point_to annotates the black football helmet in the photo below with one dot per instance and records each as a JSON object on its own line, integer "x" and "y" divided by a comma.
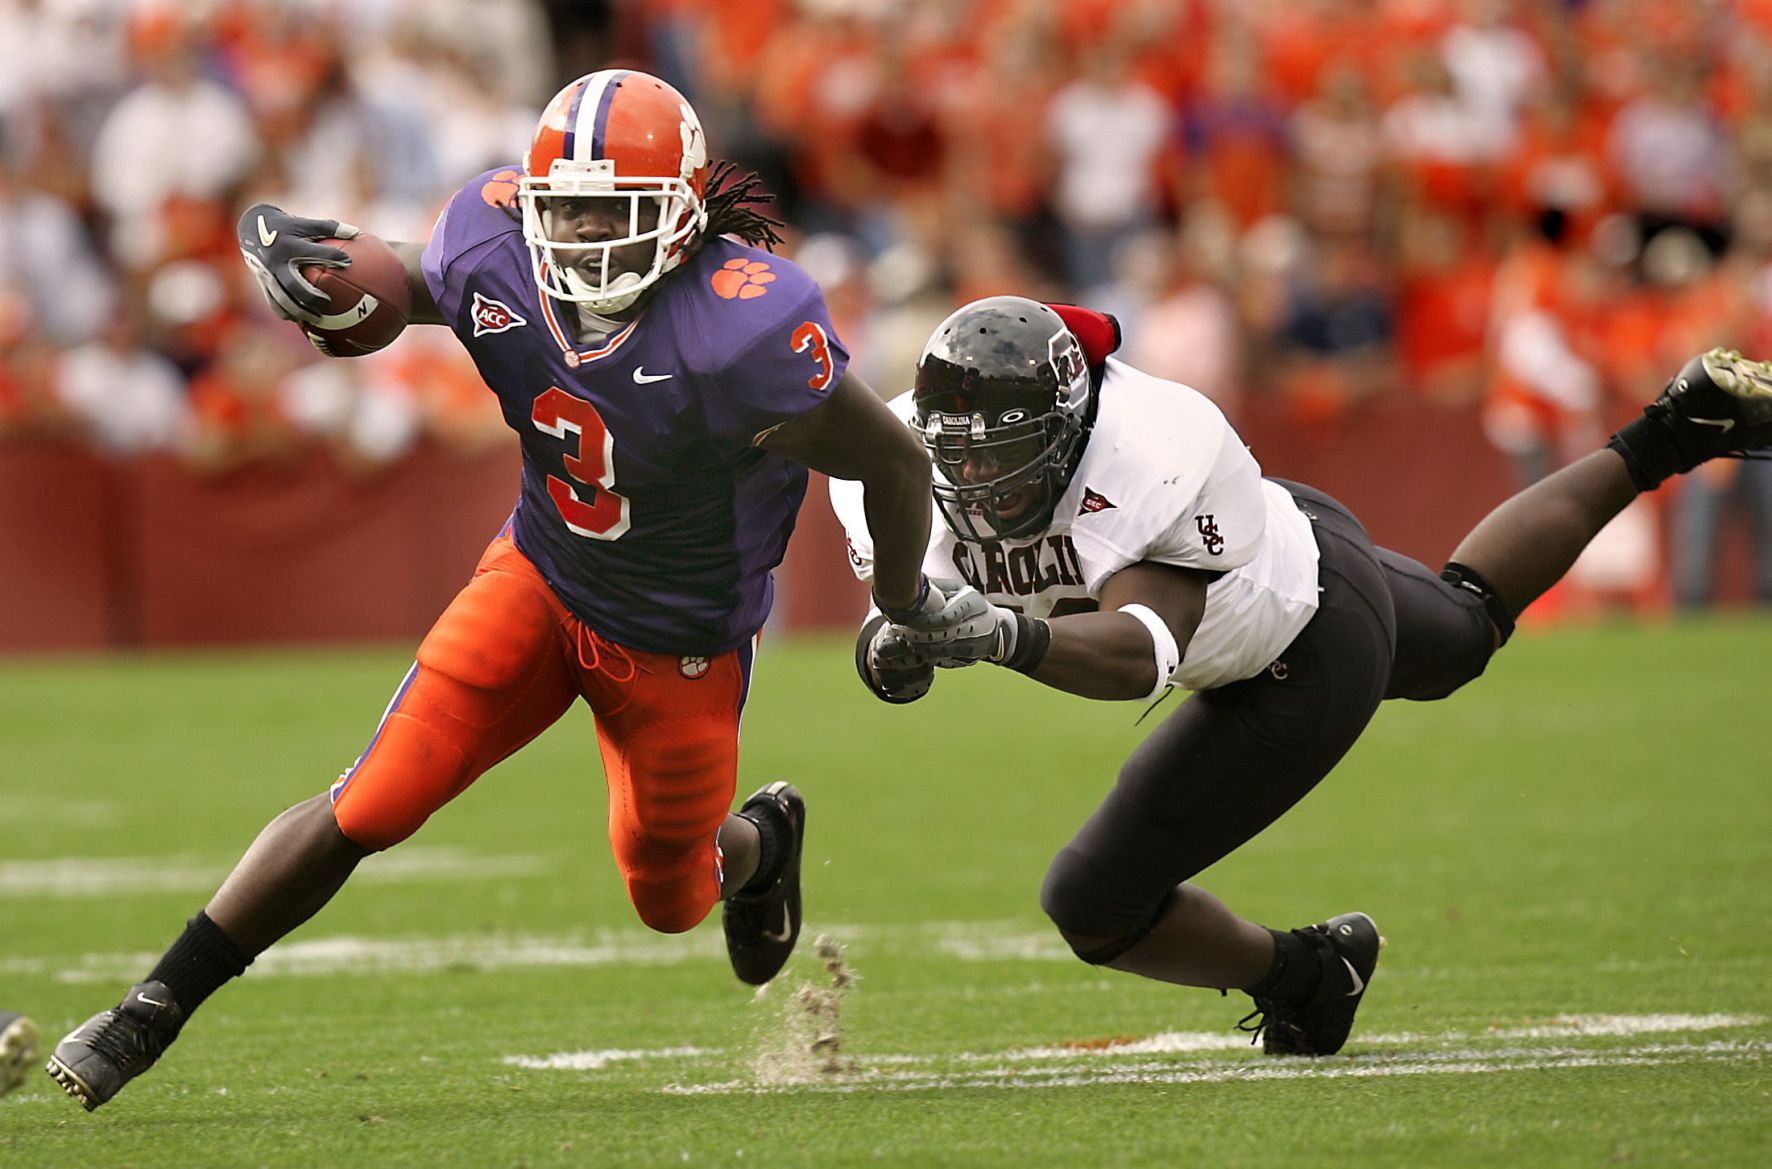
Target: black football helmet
{"x": 1004, "y": 404}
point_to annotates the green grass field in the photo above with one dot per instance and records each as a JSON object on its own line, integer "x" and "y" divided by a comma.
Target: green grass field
{"x": 1569, "y": 859}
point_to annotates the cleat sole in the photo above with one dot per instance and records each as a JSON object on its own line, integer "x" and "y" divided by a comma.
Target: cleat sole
{"x": 72, "y": 1084}
{"x": 1739, "y": 376}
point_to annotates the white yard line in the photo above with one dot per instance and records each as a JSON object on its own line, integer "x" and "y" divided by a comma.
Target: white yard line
{"x": 114, "y": 876}
{"x": 634, "y": 946}
{"x": 353, "y": 955}
{"x": 593, "y": 1061}
{"x": 1220, "y": 1057}
{"x": 1118, "y": 1072}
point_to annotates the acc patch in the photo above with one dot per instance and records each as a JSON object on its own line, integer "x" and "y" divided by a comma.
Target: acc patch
{"x": 493, "y": 316}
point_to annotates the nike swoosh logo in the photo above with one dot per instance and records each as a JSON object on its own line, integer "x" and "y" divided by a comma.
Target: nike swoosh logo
{"x": 786, "y": 929}
{"x": 1725, "y": 425}
{"x": 1359, "y": 983}
{"x": 157, "y": 1003}
{"x": 641, "y": 377}
{"x": 266, "y": 236}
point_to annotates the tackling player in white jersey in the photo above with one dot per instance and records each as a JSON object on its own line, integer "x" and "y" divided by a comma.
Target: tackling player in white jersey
{"x": 1117, "y": 539}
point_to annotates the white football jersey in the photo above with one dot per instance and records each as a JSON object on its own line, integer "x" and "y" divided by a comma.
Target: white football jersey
{"x": 1163, "y": 479}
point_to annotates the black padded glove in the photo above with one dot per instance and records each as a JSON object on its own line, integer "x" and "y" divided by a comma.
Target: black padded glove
{"x": 276, "y": 245}
{"x": 892, "y": 671}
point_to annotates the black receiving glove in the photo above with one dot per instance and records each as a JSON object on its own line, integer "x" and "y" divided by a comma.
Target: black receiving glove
{"x": 892, "y": 670}
{"x": 276, "y": 245}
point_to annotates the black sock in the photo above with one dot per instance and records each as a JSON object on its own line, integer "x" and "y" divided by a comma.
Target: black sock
{"x": 1649, "y": 452}
{"x": 198, "y": 963}
{"x": 771, "y": 845}
{"x": 1297, "y": 968}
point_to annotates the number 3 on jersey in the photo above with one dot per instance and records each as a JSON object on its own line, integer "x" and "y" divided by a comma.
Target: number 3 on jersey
{"x": 810, "y": 336}
{"x": 589, "y": 463}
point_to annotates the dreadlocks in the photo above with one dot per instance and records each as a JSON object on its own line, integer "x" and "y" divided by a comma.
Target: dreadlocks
{"x": 731, "y": 201}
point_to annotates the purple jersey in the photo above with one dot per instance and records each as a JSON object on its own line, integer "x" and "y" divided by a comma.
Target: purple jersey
{"x": 645, "y": 503}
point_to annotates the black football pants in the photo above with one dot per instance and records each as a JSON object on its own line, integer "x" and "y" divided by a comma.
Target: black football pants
{"x": 1230, "y": 760}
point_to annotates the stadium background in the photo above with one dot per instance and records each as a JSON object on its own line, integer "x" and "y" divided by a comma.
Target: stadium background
{"x": 1420, "y": 250}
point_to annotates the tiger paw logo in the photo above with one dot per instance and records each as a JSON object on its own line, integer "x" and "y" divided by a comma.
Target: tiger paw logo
{"x": 692, "y": 668}
{"x": 743, "y": 280}
{"x": 501, "y": 189}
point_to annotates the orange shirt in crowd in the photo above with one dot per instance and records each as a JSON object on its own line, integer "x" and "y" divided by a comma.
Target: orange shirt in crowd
{"x": 1442, "y": 324}
{"x": 734, "y": 34}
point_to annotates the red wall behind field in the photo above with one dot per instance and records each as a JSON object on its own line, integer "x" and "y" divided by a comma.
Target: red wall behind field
{"x": 57, "y": 540}
{"x": 96, "y": 555}
{"x": 147, "y": 554}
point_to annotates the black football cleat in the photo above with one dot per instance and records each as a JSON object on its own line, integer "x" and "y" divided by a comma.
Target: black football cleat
{"x": 1319, "y": 1025}
{"x": 762, "y": 927}
{"x": 1718, "y": 405}
{"x": 113, "y": 1047}
{"x": 18, "y": 1049}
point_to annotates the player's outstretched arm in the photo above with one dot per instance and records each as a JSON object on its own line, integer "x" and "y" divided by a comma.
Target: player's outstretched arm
{"x": 853, "y": 435}
{"x": 1128, "y": 649}
{"x": 1131, "y": 646}
{"x": 424, "y": 307}
{"x": 277, "y": 246}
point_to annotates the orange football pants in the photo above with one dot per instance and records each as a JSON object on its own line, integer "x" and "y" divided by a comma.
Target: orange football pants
{"x": 501, "y": 665}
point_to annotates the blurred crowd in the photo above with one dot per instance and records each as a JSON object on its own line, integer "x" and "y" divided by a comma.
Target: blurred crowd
{"x": 1533, "y": 208}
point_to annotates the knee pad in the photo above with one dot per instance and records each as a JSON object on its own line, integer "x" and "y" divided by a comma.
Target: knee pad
{"x": 1472, "y": 581}
{"x": 674, "y": 904}
{"x": 1079, "y": 903}
{"x": 1105, "y": 953}
{"x": 672, "y": 883}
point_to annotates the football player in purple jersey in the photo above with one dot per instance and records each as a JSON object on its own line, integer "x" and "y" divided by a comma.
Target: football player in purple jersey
{"x": 670, "y": 382}
{"x": 1125, "y": 542}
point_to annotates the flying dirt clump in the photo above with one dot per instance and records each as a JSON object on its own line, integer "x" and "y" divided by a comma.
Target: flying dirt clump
{"x": 803, "y": 1041}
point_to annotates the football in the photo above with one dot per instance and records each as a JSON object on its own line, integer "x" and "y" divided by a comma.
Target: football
{"x": 371, "y": 299}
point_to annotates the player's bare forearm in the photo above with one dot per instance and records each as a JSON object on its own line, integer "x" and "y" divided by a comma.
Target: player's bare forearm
{"x": 1099, "y": 655}
{"x": 1109, "y": 654}
{"x": 897, "y": 509}
{"x": 424, "y": 308}
{"x": 854, "y": 436}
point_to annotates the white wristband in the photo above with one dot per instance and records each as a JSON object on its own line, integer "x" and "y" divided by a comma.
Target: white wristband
{"x": 1168, "y": 654}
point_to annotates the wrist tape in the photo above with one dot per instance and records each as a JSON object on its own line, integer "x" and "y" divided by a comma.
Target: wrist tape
{"x": 1033, "y": 637}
